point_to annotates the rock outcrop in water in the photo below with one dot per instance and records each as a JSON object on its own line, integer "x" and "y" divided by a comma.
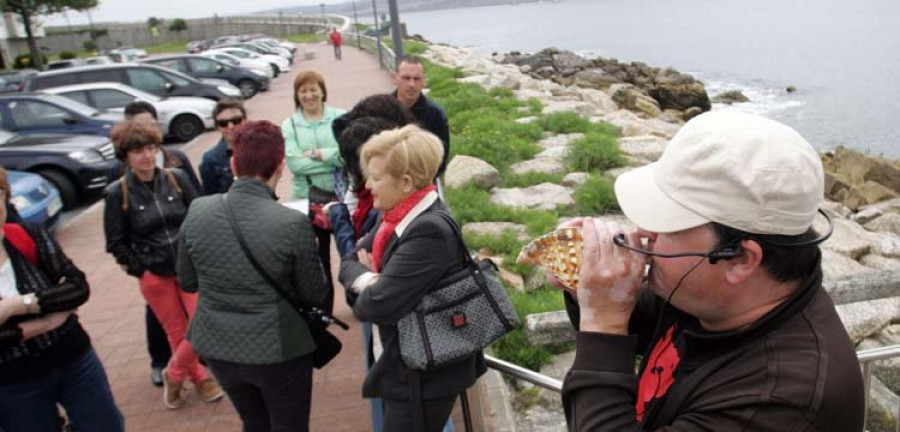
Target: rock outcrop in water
{"x": 669, "y": 88}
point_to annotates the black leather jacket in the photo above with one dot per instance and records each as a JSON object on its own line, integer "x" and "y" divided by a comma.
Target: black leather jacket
{"x": 145, "y": 236}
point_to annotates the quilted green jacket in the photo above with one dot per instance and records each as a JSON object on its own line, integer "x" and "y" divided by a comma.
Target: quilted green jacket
{"x": 240, "y": 318}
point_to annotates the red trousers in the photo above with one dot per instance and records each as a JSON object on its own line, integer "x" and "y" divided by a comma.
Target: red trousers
{"x": 174, "y": 308}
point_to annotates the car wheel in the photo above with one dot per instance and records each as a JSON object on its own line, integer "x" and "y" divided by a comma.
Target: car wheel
{"x": 275, "y": 68}
{"x": 67, "y": 191}
{"x": 185, "y": 127}
{"x": 248, "y": 88}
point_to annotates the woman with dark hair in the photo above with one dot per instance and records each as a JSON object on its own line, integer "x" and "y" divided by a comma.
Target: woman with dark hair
{"x": 382, "y": 106}
{"x": 144, "y": 210}
{"x": 46, "y": 357}
{"x": 312, "y": 152}
{"x": 254, "y": 341}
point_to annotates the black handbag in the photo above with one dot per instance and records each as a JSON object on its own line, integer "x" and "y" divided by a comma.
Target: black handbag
{"x": 327, "y": 345}
{"x": 318, "y": 198}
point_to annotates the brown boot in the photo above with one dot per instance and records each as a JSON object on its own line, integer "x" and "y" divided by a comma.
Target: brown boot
{"x": 172, "y": 397}
{"x": 209, "y": 390}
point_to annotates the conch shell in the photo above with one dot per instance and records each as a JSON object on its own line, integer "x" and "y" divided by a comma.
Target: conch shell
{"x": 559, "y": 252}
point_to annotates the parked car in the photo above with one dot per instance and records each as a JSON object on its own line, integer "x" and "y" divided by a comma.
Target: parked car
{"x": 248, "y": 81}
{"x": 247, "y": 63}
{"x": 99, "y": 60}
{"x": 62, "y": 64}
{"x": 249, "y": 46}
{"x": 279, "y": 64}
{"x": 13, "y": 81}
{"x": 181, "y": 118}
{"x": 75, "y": 164}
{"x": 35, "y": 199}
{"x": 149, "y": 78}
{"x": 275, "y": 49}
{"x": 277, "y": 43}
{"x": 197, "y": 46}
{"x": 128, "y": 53}
{"x": 39, "y": 113}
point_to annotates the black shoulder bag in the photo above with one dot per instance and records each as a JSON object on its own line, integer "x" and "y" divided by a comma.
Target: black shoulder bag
{"x": 327, "y": 345}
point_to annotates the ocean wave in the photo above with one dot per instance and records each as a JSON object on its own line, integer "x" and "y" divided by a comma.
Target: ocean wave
{"x": 765, "y": 98}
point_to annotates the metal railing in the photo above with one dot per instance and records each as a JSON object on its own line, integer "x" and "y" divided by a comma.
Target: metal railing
{"x": 387, "y": 56}
{"x": 866, "y": 358}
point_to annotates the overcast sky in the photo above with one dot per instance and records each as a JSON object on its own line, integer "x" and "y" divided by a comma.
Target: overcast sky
{"x": 140, "y": 10}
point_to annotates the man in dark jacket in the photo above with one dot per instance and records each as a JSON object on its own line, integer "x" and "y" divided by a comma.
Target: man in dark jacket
{"x": 735, "y": 329}
{"x": 215, "y": 168}
{"x": 410, "y": 80}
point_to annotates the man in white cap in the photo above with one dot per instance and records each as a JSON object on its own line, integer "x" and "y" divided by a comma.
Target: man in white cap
{"x": 734, "y": 327}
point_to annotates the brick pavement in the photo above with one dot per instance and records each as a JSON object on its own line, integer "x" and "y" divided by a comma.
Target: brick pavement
{"x": 114, "y": 315}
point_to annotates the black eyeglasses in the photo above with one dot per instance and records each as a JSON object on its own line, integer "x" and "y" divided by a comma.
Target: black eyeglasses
{"x": 223, "y": 123}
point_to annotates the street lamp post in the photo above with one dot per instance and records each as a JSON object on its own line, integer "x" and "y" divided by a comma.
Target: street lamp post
{"x": 324, "y": 21}
{"x": 377, "y": 35}
{"x": 395, "y": 32}
{"x": 356, "y": 25}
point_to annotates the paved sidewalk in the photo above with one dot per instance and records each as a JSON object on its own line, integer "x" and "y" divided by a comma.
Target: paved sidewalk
{"x": 114, "y": 315}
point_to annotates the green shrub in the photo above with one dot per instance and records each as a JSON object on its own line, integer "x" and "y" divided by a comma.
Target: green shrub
{"x": 515, "y": 348}
{"x": 23, "y": 61}
{"x": 89, "y": 45}
{"x": 594, "y": 152}
{"x": 412, "y": 47}
{"x": 530, "y": 179}
{"x": 595, "y": 196}
{"x": 565, "y": 122}
{"x": 471, "y": 204}
{"x": 67, "y": 55}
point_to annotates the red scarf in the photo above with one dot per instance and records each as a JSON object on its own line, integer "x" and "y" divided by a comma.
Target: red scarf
{"x": 391, "y": 219}
{"x": 363, "y": 207}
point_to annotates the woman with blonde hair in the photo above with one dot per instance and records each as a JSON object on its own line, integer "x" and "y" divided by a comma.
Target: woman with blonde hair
{"x": 407, "y": 254}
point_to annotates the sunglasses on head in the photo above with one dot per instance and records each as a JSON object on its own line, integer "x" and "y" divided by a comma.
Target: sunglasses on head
{"x": 234, "y": 121}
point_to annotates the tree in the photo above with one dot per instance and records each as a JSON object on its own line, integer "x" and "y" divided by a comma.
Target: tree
{"x": 178, "y": 25}
{"x": 28, "y": 9}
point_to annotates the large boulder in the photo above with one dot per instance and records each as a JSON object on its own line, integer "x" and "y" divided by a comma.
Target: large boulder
{"x": 575, "y": 179}
{"x": 857, "y": 168}
{"x": 849, "y": 238}
{"x": 872, "y": 211}
{"x": 869, "y": 192}
{"x": 646, "y": 146}
{"x": 630, "y": 97}
{"x": 582, "y": 108}
{"x": 879, "y": 262}
{"x": 885, "y": 223}
{"x": 541, "y": 164}
{"x": 559, "y": 140}
{"x": 730, "y": 97}
{"x": 463, "y": 170}
{"x": 599, "y": 99}
{"x": 594, "y": 79}
{"x": 545, "y": 196}
{"x": 866, "y": 318}
{"x": 568, "y": 63}
{"x": 836, "y": 265}
{"x": 682, "y": 96}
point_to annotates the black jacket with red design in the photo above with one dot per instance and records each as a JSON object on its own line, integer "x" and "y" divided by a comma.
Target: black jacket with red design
{"x": 795, "y": 369}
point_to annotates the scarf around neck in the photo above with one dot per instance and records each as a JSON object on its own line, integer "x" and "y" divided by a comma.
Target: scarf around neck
{"x": 363, "y": 207}
{"x": 391, "y": 219}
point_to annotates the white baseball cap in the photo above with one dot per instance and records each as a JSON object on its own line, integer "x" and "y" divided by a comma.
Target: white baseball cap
{"x": 740, "y": 170}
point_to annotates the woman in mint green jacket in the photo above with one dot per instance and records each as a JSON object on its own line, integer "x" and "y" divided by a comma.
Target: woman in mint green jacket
{"x": 311, "y": 150}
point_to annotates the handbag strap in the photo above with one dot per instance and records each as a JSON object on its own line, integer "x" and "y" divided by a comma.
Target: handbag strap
{"x": 305, "y": 312}
{"x": 466, "y": 256}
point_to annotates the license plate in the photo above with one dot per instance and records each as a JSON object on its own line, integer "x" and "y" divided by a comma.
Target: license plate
{"x": 54, "y": 207}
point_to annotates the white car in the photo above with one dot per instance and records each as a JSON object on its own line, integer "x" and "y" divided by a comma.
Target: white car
{"x": 181, "y": 117}
{"x": 284, "y": 52}
{"x": 248, "y": 63}
{"x": 290, "y": 46}
{"x": 280, "y": 63}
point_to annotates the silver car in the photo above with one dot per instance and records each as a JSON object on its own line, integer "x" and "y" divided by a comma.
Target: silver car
{"x": 180, "y": 117}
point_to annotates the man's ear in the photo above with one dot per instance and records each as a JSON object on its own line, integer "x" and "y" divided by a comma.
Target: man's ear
{"x": 747, "y": 262}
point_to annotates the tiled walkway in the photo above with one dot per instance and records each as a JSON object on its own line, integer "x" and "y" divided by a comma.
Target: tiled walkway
{"x": 114, "y": 315}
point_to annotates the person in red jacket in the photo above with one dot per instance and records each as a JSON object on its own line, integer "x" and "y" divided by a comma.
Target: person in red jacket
{"x": 336, "y": 41}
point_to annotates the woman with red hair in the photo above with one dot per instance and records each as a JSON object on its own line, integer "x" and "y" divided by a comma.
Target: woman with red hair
{"x": 254, "y": 340}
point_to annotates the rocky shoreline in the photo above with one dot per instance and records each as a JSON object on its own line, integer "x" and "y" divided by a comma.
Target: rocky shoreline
{"x": 649, "y": 105}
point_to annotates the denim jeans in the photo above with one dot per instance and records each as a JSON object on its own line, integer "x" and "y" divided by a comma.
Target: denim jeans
{"x": 80, "y": 386}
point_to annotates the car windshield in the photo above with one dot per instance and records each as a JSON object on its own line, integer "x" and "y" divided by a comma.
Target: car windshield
{"x": 70, "y": 104}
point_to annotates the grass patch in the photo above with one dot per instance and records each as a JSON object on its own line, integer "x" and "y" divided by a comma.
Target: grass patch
{"x": 531, "y": 178}
{"x": 594, "y": 152}
{"x": 595, "y": 196}
{"x": 305, "y": 38}
{"x": 514, "y": 347}
{"x": 169, "y": 47}
{"x": 565, "y": 123}
{"x": 471, "y": 204}
{"x": 412, "y": 47}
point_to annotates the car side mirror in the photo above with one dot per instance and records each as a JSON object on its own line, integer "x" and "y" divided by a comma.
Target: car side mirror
{"x": 71, "y": 121}
{"x": 169, "y": 86}
{"x": 220, "y": 68}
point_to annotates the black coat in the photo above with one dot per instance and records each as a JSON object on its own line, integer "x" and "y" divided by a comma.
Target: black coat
{"x": 412, "y": 264}
{"x": 145, "y": 236}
